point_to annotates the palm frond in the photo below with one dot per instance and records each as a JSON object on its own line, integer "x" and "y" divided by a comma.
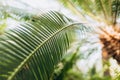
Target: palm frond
{"x": 101, "y": 7}
{"x": 86, "y": 8}
{"x": 70, "y": 5}
{"x": 115, "y": 10}
{"x": 107, "y": 9}
{"x": 34, "y": 48}
{"x": 15, "y": 13}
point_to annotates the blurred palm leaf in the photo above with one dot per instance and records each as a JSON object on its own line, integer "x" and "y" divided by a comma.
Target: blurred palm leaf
{"x": 32, "y": 49}
{"x": 10, "y": 13}
{"x": 100, "y": 10}
{"x": 106, "y": 12}
{"x": 15, "y": 13}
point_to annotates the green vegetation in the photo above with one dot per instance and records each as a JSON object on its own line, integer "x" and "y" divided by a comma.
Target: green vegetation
{"x": 48, "y": 46}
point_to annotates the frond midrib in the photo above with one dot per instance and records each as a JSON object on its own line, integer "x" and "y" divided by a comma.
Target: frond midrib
{"x": 32, "y": 53}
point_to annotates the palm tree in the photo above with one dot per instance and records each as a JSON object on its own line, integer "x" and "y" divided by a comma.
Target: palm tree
{"x": 32, "y": 49}
{"x": 105, "y": 12}
{"x": 101, "y": 11}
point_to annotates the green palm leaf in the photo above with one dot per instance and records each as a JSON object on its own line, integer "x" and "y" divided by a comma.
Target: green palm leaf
{"x": 32, "y": 49}
{"x": 108, "y": 9}
{"x": 15, "y": 13}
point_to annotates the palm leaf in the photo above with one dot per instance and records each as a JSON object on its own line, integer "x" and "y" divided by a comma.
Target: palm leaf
{"x": 115, "y": 11}
{"x": 15, "y": 13}
{"x": 18, "y": 13}
{"x": 107, "y": 9}
{"x": 85, "y": 8}
{"x": 32, "y": 49}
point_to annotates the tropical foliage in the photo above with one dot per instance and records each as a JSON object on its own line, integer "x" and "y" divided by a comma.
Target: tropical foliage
{"x": 35, "y": 48}
{"x": 104, "y": 14}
